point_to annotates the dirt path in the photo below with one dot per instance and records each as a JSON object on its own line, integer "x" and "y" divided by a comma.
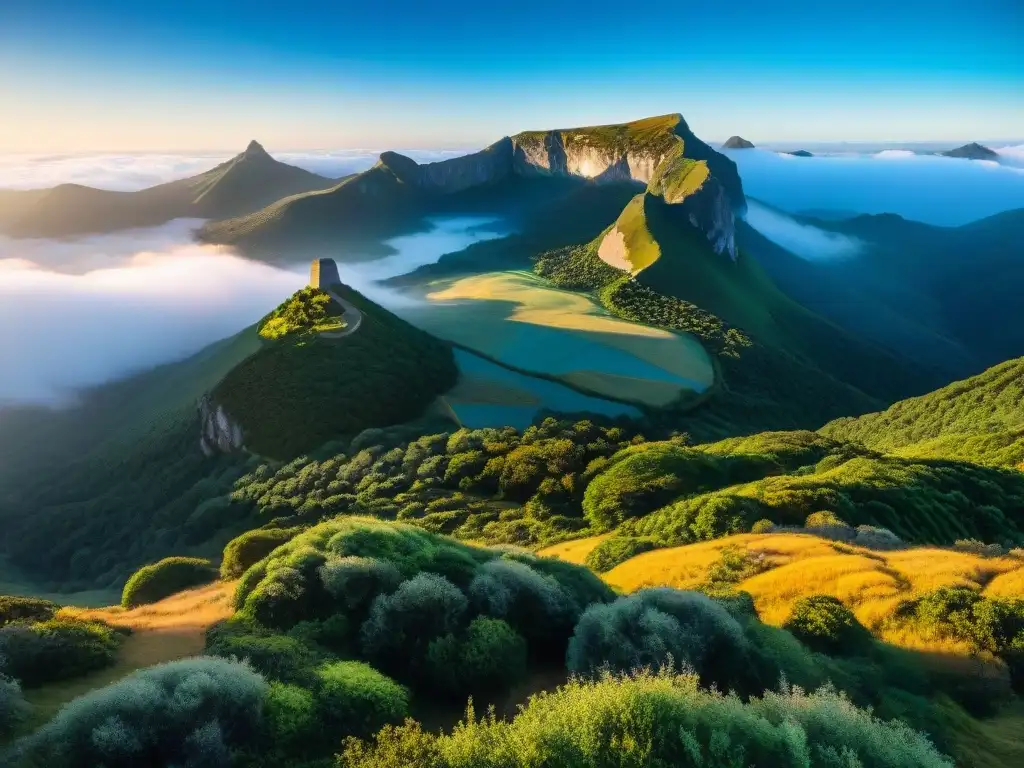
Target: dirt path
{"x": 171, "y": 629}
{"x": 351, "y": 315}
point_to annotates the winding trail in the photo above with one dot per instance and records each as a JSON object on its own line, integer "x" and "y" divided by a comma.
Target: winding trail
{"x": 351, "y": 315}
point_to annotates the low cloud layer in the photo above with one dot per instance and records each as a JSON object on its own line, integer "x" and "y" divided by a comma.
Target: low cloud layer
{"x": 936, "y": 190}
{"x": 60, "y": 332}
{"x": 82, "y": 312}
{"x": 128, "y": 172}
{"x": 807, "y": 242}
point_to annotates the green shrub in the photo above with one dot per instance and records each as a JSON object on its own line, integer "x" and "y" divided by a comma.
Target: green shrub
{"x": 291, "y": 716}
{"x": 355, "y": 699}
{"x": 25, "y": 609}
{"x": 402, "y": 624}
{"x": 276, "y": 657}
{"x": 762, "y": 526}
{"x": 165, "y": 578}
{"x": 823, "y": 623}
{"x": 56, "y": 649}
{"x": 660, "y": 721}
{"x": 615, "y": 550}
{"x": 191, "y": 712}
{"x": 489, "y": 657}
{"x": 355, "y": 582}
{"x": 13, "y": 707}
{"x": 244, "y": 551}
{"x": 655, "y": 627}
{"x": 534, "y": 604}
{"x": 824, "y": 520}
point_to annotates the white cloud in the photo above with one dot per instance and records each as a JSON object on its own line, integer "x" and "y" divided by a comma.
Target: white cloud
{"x": 137, "y": 171}
{"x": 806, "y": 241}
{"x": 936, "y": 190}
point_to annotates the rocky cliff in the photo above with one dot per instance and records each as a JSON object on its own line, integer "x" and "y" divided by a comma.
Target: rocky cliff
{"x": 219, "y": 433}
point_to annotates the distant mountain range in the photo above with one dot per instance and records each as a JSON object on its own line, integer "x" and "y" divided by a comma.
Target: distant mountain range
{"x": 244, "y": 183}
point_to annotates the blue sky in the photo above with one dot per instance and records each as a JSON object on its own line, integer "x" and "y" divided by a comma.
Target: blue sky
{"x": 80, "y": 75}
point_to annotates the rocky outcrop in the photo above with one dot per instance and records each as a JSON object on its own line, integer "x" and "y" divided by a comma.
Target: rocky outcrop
{"x": 219, "y": 433}
{"x": 323, "y": 273}
{"x": 737, "y": 142}
{"x": 556, "y": 153}
{"x": 709, "y": 210}
{"x": 972, "y": 151}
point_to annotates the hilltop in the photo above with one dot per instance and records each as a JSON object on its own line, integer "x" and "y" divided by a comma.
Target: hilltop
{"x": 246, "y": 182}
{"x": 536, "y": 168}
{"x": 972, "y": 151}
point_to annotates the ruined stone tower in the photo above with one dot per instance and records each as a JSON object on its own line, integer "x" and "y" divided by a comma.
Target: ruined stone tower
{"x": 323, "y": 273}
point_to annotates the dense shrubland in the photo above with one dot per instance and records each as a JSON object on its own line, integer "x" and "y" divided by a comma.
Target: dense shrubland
{"x": 656, "y": 721}
{"x": 57, "y": 648}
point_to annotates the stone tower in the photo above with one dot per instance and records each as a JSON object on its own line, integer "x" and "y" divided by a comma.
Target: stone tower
{"x": 323, "y": 273}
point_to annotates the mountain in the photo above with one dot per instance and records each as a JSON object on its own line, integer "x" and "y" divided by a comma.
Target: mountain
{"x": 535, "y": 166}
{"x": 931, "y": 294}
{"x": 800, "y": 153}
{"x": 972, "y": 151}
{"x": 980, "y": 419}
{"x": 737, "y": 142}
{"x": 247, "y": 182}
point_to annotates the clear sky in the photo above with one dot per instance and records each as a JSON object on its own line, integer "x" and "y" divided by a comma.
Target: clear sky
{"x": 135, "y": 75}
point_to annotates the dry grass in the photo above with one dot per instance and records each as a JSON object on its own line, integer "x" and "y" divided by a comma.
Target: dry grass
{"x": 872, "y": 584}
{"x": 165, "y": 631}
{"x": 575, "y": 551}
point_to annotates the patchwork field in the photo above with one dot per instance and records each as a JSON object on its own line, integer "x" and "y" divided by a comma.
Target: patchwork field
{"x": 520, "y": 320}
{"x": 488, "y": 395}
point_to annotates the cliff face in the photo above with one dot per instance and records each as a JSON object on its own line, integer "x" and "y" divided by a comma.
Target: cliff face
{"x": 218, "y": 432}
{"x": 710, "y": 211}
{"x": 447, "y": 177}
{"x": 556, "y": 153}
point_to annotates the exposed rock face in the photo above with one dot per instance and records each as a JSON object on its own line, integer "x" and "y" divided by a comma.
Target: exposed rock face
{"x": 549, "y": 155}
{"x": 218, "y": 432}
{"x": 709, "y": 210}
{"x": 323, "y": 273}
{"x": 737, "y": 142}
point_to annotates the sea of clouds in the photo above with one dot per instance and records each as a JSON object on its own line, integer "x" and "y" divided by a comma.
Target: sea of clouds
{"x": 937, "y": 190}
{"x": 79, "y": 312}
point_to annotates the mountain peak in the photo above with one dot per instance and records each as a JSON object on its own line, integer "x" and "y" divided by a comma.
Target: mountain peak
{"x": 972, "y": 151}
{"x": 737, "y": 142}
{"x": 255, "y": 149}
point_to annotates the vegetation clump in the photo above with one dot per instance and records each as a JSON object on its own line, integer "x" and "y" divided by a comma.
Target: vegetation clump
{"x": 309, "y": 310}
{"x": 34, "y": 653}
{"x": 159, "y": 580}
{"x": 193, "y": 712}
{"x": 823, "y": 623}
{"x": 651, "y": 719}
{"x": 246, "y": 550}
{"x": 615, "y": 550}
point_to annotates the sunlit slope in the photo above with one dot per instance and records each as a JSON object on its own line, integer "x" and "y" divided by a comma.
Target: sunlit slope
{"x": 872, "y": 583}
{"x": 980, "y": 419}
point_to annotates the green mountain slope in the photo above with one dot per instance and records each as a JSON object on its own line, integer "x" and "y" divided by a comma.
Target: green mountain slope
{"x": 524, "y": 170}
{"x": 305, "y": 386}
{"x": 243, "y": 184}
{"x": 944, "y": 297}
{"x": 980, "y": 419}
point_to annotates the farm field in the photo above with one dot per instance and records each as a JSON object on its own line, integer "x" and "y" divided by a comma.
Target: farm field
{"x": 522, "y": 321}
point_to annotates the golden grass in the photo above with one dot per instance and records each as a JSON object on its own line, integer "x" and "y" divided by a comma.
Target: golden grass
{"x": 872, "y": 584}
{"x": 165, "y": 631}
{"x": 575, "y": 551}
